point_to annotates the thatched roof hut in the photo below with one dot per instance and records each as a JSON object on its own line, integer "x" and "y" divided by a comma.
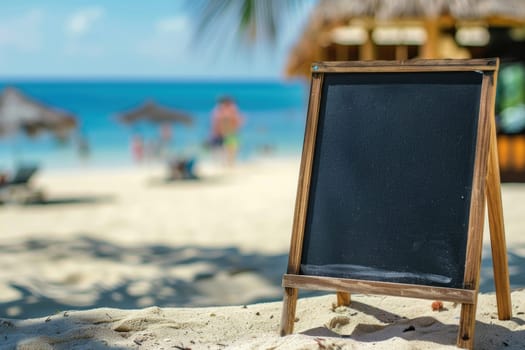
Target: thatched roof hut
{"x": 402, "y": 29}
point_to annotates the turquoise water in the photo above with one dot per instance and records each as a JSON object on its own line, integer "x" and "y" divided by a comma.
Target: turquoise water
{"x": 275, "y": 114}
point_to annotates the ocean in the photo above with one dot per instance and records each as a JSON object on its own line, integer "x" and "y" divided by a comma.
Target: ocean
{"x": 274, "y": 112}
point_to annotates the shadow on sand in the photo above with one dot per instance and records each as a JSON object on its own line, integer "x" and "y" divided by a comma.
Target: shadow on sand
{"x": 91, "y": 273}
{"x": 488, "y": 336}
{"x": 72, "y": 200}
{"x": 84, "y": 273}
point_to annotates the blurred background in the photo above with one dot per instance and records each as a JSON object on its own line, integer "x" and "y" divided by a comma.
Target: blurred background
{"x": 114, "y": 190}
{"x": 96, "y": 62}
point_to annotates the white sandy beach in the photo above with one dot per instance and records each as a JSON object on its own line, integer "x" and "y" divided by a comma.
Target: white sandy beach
{"x": 119, "y": 243}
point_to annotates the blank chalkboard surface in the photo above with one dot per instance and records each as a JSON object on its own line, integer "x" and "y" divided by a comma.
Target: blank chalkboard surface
{"x": 398, "y": 160}
{"x": 392, "y": 176}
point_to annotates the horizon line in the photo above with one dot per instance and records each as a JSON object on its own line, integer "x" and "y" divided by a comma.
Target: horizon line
{"x": 197, "y": 79}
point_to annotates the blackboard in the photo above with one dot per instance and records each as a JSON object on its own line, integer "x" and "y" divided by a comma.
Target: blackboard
{"x": 398, "y": 160}
{"x": 392, "y": 175}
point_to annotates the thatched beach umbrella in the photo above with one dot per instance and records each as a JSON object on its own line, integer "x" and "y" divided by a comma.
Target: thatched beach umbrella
{"x": 21, "y": 113}
{"x": 152, "y": 112}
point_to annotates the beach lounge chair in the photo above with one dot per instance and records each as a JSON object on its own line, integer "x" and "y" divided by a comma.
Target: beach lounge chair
{"x": 17, "y": 189}
{"x": 22, "y": 175}
{"x": 182, "y": 169}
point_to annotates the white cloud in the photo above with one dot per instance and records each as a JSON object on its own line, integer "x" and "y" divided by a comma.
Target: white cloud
{"x": 172, "y": 24}
{"x": 168, "y": 40}
{"x": 22, "y": 33}
{"x": 80, "y": 22}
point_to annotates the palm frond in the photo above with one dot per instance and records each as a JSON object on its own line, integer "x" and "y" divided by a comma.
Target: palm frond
{"x": 249, "y": 21}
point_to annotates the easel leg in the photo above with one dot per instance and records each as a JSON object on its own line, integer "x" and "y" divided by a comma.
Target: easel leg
{"x": 467, "y": 323}
{"x": 497, "y": 233}
{"x": 343, "y": 299}
{"x": 288, "y": 315}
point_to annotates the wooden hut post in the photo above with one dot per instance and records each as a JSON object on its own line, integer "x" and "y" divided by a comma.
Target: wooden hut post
{"x": 401, "y": 52}
{"x": 430, "y": 47}
{"x": 367, "y": 50}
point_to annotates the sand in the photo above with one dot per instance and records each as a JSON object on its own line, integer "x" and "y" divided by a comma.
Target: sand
{"x": 134, "y": 253}
{"x": 371, "y": 322}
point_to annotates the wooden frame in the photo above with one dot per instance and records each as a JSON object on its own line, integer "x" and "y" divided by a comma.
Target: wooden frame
{"x": 486, "y": 184}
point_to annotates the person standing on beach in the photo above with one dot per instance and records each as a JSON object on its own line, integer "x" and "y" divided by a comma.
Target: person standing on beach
{"x": 137, "y": 148}
{"x": 226, "y": 123}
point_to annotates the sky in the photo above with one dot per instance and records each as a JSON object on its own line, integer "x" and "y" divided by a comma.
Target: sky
{"x": 128, "y": 39}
